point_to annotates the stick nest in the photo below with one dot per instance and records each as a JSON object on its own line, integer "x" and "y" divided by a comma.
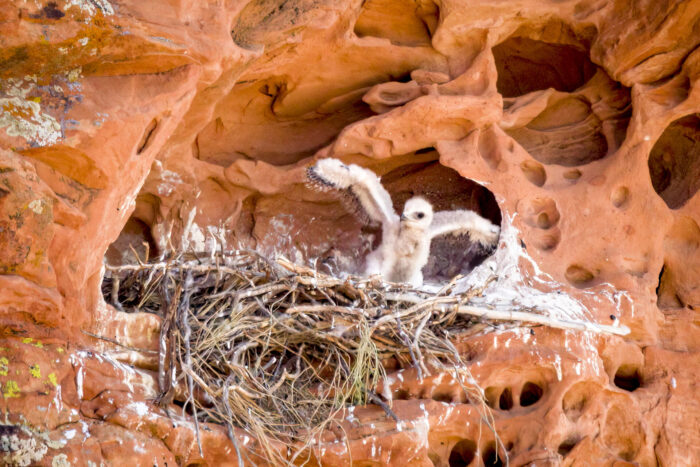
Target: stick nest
{"x": 278, "y": 349}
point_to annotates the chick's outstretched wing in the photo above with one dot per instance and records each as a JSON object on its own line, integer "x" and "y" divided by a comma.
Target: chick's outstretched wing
{"x": 458, "y": 222}
{"x": 359, "y": 189}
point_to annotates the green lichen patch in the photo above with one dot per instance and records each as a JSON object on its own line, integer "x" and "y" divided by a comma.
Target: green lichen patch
{"x": 52, "y": 379}
{"x": 31, "y": 341}
{"x": 10, "y": 389}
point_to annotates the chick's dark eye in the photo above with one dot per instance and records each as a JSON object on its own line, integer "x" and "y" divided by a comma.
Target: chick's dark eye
{"x": 421, "y": 215}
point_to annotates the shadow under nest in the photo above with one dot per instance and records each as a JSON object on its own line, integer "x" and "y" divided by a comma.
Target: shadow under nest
{"x": 279, "y": 350}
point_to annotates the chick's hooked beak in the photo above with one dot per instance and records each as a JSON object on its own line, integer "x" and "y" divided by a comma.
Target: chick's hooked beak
{"x": 403, "y": 217}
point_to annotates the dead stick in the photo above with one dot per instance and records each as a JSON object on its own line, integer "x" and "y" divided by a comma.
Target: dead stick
{"x": 372, "y": 397}
{"x": 187, "y": 332}
{"x": 496, "y": 315}
{"x": 115, "y": 342}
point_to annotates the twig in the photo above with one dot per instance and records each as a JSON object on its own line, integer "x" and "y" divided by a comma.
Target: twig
{"x": 521, "y": 316}
{"x": 184, "y": 309}
{"x": 374, "y": 398}
{"x": 115, "y": 342}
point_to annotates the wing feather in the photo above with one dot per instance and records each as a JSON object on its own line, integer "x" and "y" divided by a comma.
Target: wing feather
{"x": 360, "y": 189}
{"x": 458, "y": 222}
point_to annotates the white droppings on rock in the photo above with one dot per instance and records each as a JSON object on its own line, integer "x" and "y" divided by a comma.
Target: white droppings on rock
{"x": 140, "y": 408}
{"x": 510, "y": 288}
{"x": 196, "y": 238}
{"x": 60, "y": 460}
{"x": 37, "y": 206}
{"x": 557, "y": 366}
{"x": 91, "y": 7}
{"x": 79, "y": 382}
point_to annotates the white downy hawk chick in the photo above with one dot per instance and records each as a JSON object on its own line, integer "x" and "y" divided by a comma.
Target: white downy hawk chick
{"x": 405, "y": 246}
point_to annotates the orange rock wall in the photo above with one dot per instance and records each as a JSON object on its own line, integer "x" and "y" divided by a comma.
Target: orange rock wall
{"x": 187, "y": 124}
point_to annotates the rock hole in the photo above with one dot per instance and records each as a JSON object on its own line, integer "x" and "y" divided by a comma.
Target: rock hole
{"x": 260, "y": 23}
{"x": 566, "y": 446}
{"x": 619, "y": 196}
{"x": 547, "y": 240}
{"x": 666, "y": 293}
{"x": 530, "y": 394}
{"x": 543, "y": 221}
{"x": 575, "y": 400}
{"x": 677, "y": 288}
{"x": 403, "y": 22}
{"x": 402, "y": 395}
{"x": 135, "y": 236}
{"x": 627, "y": 377}
{"x": 540, "y": 212}
{"x": 534, "y": 172}
{"x": 505, "y": 402}
{"x": 443, "y": 396}
{"x": 492, "y": 394}
{"x": 490, "y": 149}
{"x": 579, "y": 276}
{"x": 567, "y": 133}
{"x": 661, "y": 278}
{"x": 491, "y": 456}
{"x": 674, "y": 161}
{"x": 135, "y": 239}
{"x": 572, "y": 175}
{"x": 462, "y": 453}
{"x": 525, "y": 65}
{"x": 147, "y": 136}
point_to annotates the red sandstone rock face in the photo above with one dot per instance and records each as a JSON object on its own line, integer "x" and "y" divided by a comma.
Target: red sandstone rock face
{"x": 180, "y": 123}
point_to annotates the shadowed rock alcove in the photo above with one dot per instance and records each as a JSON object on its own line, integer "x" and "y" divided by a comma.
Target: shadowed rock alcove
{"x": 584, "y": 115}
{"x": 674, "y": 162}
{"x": 525, "y": 65}
{"x": 317, "y": 229}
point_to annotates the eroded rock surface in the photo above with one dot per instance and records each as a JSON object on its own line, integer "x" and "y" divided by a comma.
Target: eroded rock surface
{"x": 167, "y": 125}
